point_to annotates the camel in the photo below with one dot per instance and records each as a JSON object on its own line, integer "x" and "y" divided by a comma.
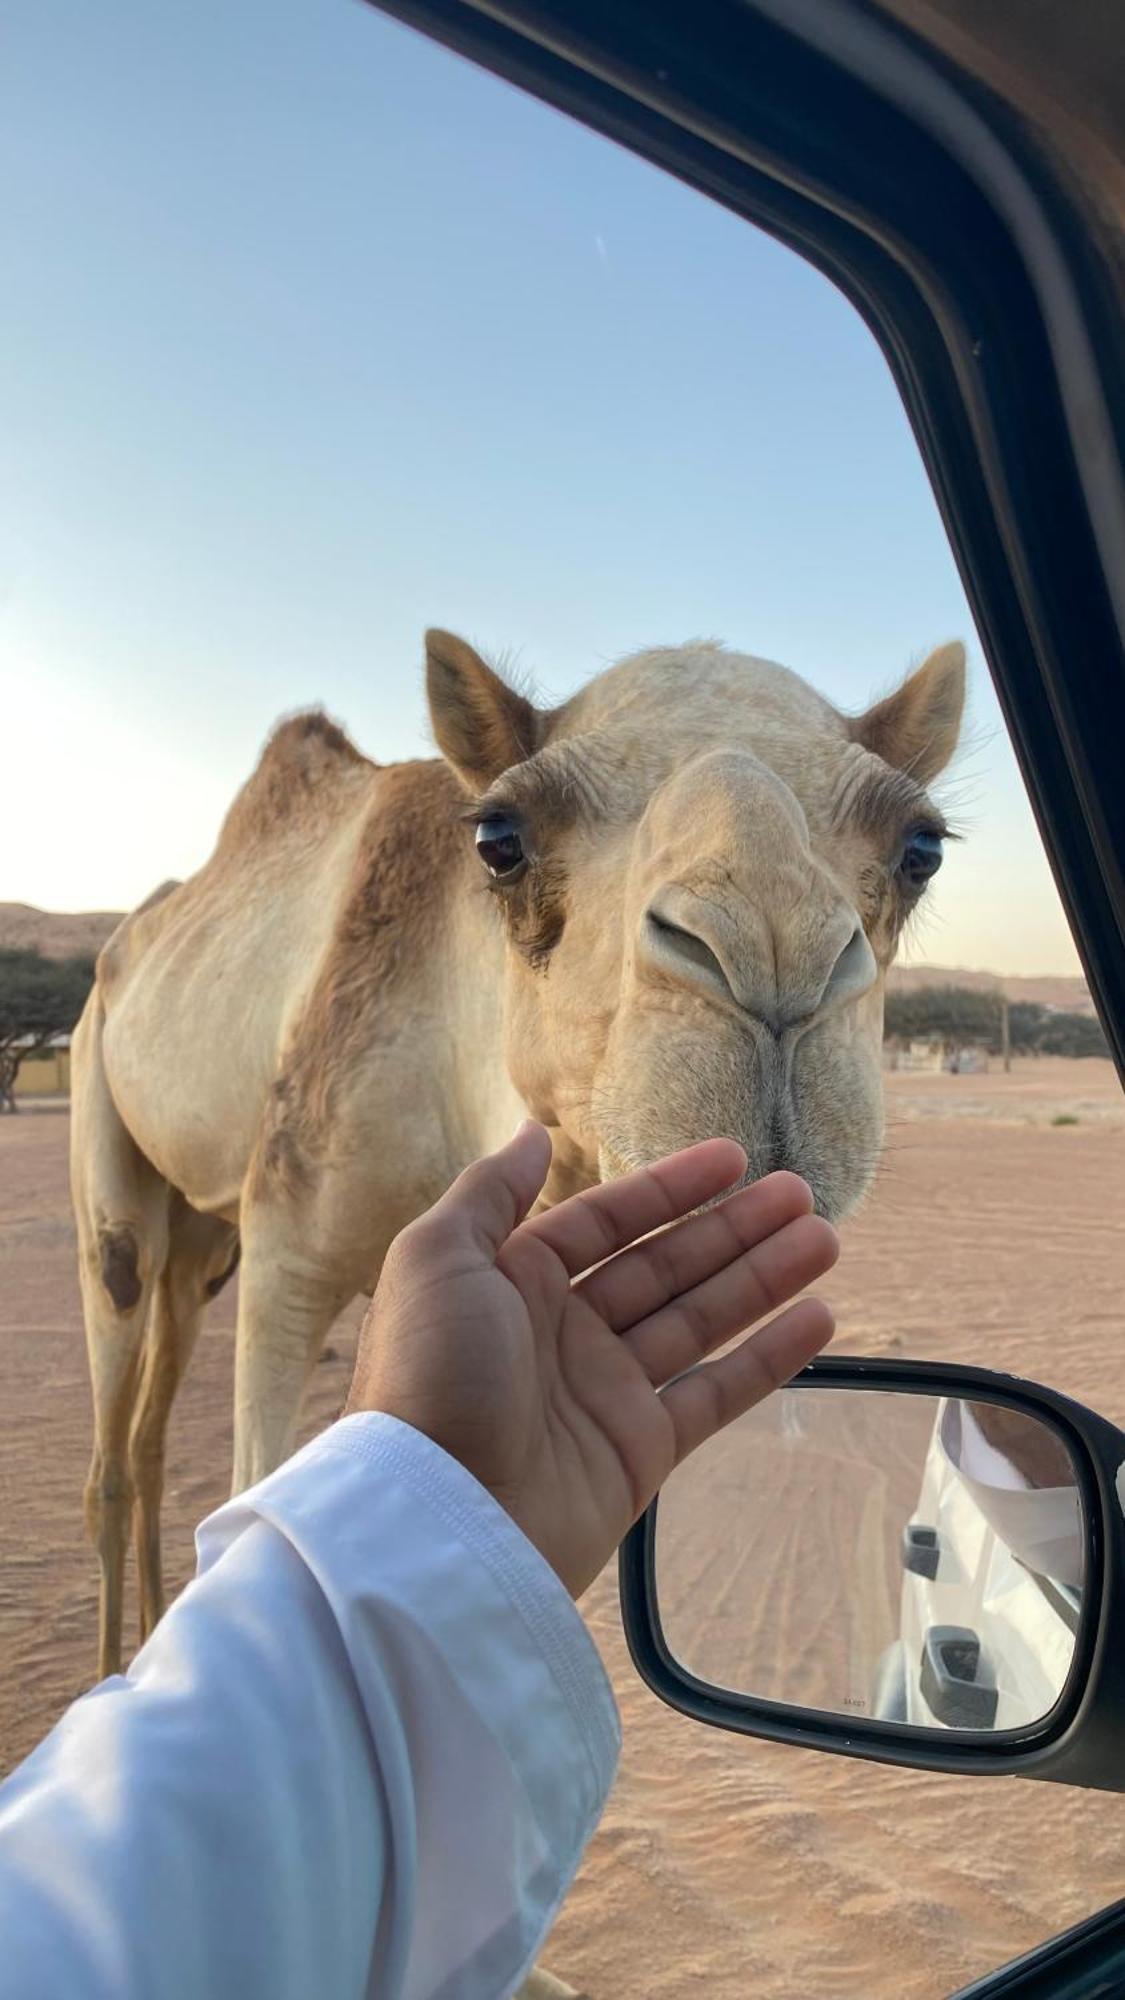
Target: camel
{"x": 662, "y": 910}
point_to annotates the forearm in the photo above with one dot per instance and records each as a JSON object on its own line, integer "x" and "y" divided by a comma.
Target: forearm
{"x": 362, "y": 1753}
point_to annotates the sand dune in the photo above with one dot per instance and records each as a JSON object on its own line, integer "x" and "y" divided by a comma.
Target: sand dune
{"x": 724, "y": 1867}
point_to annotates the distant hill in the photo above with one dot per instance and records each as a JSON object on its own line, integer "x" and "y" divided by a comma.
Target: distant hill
{"x": 1068, "y": 995}
{"x": 55, "y": 934}
{"x": 61, "y": 935}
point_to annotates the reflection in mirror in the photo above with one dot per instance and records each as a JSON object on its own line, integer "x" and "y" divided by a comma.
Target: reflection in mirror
{"x": 882, "y": 1554}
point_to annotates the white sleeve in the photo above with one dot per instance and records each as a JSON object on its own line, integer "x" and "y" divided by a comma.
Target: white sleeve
{"x": 360, "y": 1756}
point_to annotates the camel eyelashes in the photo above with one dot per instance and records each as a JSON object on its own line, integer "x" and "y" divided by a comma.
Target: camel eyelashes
{"x": 921, "y": 857}
{"x": 500, "y": 846}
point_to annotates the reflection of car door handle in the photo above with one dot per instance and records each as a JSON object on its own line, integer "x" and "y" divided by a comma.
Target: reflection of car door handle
{"x": 955, "y": 1679}
{"x": 921, "y": 1550}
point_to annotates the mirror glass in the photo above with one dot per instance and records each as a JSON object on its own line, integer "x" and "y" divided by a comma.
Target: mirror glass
{"x": 872, "y": 1553}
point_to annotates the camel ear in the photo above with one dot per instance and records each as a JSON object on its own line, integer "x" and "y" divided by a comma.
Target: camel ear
{"x": 915, "y": 729}
{"x": 481, "y": 725}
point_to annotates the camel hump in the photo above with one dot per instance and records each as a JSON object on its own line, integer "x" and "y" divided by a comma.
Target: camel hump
{"x": 157, "y": 896}
{"x": 307, "y": 765}
{"x": 305, "y": 743}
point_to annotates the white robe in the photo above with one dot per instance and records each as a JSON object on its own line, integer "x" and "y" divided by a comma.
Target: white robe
{"x": 360, "y": 1756}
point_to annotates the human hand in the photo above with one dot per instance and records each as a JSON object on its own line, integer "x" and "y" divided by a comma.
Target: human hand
{"x": 495, "y": 1336}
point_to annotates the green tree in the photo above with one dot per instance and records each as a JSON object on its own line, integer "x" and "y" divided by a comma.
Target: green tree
{"x": 945, "y": 1013}
{"x": 963, "y": 1015}
{"x": 1072, "y": 1035}
{"x": 1026, "y": 1018}
{"x": 39, "y": 999}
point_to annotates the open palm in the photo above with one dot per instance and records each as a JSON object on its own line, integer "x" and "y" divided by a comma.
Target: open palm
{"x": 549, "y": 1354}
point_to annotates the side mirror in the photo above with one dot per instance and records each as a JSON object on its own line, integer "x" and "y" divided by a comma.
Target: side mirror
{"x": 909, "y": 1562}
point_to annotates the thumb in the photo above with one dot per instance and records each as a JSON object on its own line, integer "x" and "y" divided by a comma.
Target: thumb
{"x": 494, "y": 1195}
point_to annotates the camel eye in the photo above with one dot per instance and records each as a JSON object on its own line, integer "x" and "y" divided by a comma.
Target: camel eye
{"x": 921, "y": 857}
{"x": 500, "y": 847}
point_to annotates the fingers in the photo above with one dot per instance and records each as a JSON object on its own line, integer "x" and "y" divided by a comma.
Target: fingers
{"x": 754, "y": 1284}
{"x": 493, "y": 1196}
{"x": 641, "y": 1279}
{"x": 709, "y": 1398}
{"x": 593, "y": 1225}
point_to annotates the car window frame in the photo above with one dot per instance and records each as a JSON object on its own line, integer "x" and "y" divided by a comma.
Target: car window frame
{"x": 997, "y": 312}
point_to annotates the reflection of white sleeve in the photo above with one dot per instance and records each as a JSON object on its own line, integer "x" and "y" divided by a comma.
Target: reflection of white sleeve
{"x": 1041, "y": 1525}
{"x": 361, "y": 1756}
{"x": 981, "y": 1460}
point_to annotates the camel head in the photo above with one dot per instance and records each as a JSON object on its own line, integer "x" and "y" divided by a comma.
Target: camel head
{"x": 703, "y": 871}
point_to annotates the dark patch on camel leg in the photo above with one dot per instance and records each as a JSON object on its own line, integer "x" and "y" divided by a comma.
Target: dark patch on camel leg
{"x": 120, "y": 1267}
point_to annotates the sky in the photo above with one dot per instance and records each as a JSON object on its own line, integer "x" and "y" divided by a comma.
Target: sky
{"x": 315, "y": 335}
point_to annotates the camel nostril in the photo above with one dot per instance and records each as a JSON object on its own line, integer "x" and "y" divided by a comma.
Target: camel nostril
{"x": 677, "y": 948}
{"x": 853, "y": 974}
{"x": 746, "y": 964}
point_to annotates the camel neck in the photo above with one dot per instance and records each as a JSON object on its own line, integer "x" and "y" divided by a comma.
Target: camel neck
{"x": 468, "y": 967}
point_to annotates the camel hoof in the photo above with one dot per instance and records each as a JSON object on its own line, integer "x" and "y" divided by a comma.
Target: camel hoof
{"x": 540, "y": 1985}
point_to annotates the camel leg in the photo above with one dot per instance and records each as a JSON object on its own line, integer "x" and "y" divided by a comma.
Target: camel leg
{"x": 114, "y": 1341}
{"x": 286, "y": 1305}
{"x": 121, "y": 1209}
{"x": 202, "y": 1255}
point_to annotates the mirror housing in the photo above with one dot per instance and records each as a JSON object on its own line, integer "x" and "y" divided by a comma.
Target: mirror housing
{"x": 1080, "y": 1740}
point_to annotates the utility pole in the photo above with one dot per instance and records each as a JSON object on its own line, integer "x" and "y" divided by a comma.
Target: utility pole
{"x": 1005, "y": 1033}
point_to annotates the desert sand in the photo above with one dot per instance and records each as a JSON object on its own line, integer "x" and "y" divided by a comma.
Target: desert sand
{"x": 723, "y": 1867}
